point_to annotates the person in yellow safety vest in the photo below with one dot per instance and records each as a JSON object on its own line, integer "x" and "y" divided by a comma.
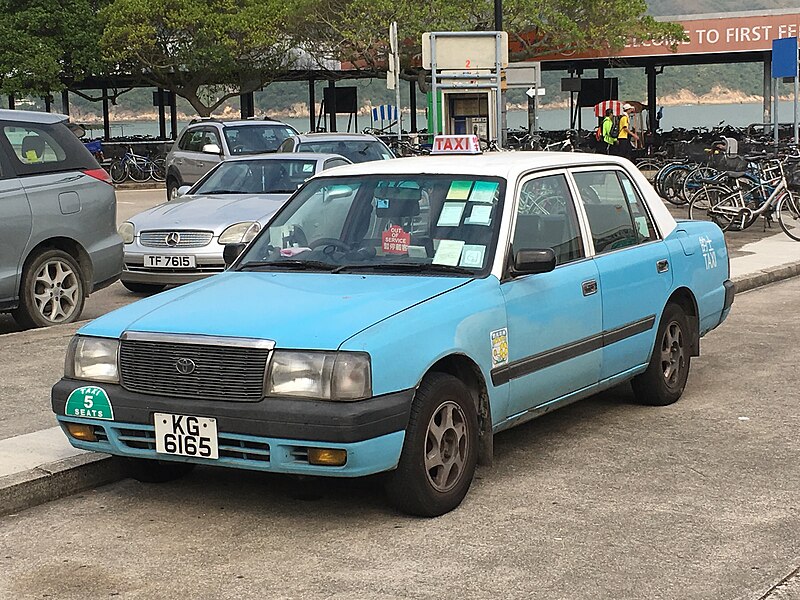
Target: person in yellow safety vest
{"x": 608, "y": 123}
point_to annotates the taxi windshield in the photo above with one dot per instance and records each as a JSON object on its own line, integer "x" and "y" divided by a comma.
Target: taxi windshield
{"x": 257, "y": 176}
{"x": 431, "y": 224}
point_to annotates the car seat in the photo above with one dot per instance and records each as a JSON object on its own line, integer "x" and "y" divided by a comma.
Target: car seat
{"x": 32, "y": 148}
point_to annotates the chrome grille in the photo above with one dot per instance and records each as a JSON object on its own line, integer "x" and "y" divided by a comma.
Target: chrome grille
{"x": 187, "y": 239}
{"x": 222, "y": 372}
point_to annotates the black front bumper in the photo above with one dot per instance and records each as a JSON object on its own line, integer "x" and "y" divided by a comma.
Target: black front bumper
{"x": 313, "y": 420}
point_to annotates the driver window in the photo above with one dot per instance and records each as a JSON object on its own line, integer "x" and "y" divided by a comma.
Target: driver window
{"x": 546, "y": 218}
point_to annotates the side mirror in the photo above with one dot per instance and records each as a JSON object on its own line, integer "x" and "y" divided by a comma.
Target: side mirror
{"x": 232, "y": 252}
{"x": 183, "y": 190}
{"x": 212, "y": 149}
{"x": 527, "y": 262}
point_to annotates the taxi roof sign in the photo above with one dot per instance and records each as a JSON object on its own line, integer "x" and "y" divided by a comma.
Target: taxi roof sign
{"x": 456, "y": 144}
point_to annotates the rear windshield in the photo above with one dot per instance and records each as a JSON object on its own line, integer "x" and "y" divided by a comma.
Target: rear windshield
{"x": 357, "y": 151}
{"x": 37, "y": 148}
{"x": 254, "y": 139}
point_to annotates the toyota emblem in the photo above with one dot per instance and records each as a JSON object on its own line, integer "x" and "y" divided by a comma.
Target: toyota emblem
{"x": 173, "y": 239}
{"x": 185, "y": 366}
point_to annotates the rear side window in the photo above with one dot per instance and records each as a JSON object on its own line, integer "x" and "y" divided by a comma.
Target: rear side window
{"x": 607, "y": 208}
{"x": 42, "y": 148}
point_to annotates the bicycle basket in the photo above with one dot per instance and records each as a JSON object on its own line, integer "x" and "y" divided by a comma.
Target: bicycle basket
{"x": 771, "y": 171}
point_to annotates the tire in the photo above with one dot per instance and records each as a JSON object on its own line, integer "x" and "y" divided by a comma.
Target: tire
{"x": 172, "y": 188}
{"x": 716, "y": 203}
{"x": 443, "y": 412}
{"x": 665, "y": 378}
{"x": 118, "y": 171}
{"x": 139, "y": 170}
{"x": 694, "y": 180}
{"x": 52, "y": 290}
{"x": 143, "y": 288}
{"x": 671, "y": 184}
{"x": 159, "y": 169}
{"x": 156, "y": 471}
{"x": 789, "y": 216}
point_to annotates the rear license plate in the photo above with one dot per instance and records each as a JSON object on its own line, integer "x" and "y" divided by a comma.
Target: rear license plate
{"x": 186, "y": 435}
{"x": 159, "y": 261}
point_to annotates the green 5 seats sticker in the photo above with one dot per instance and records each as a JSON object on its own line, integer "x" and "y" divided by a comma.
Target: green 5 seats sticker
{"x": 89, "y": 401}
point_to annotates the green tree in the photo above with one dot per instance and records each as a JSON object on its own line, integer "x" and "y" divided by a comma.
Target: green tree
{"x": 205, "y": 51}
{"x": 46, "y": 45}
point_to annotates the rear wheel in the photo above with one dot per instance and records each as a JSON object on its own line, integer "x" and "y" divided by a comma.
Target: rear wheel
{"x": 117, "y": 171}
{"x": 156, "y": 471}
{"x": 665, "y": 378}
{"x": 172, "y": 188}
{"x": 440, "y": 450}
{"x": 139, "y": 170}
{"x": 143, "y": 288}
{"x": 159, "y": 169}
{"x": 716, "y": 203}
{"x": 52, "y": 290}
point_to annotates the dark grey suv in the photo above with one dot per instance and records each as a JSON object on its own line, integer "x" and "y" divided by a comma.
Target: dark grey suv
{"x": 207, "y": 142}
{"x": 58, "y": 235}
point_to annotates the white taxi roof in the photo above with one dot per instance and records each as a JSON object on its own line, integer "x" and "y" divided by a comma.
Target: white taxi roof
{"x": 510, "y": 166}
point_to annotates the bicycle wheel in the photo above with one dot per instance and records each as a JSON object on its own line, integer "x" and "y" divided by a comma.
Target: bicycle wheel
{"x": 672, "y": 184}
{"x": 118, "y": 171}
{"x": 729, "y": 212}
{"x": 139, "y": 171}
{"x": 649, "y": 168}
{"x": 789, "y": 216}
{"x": 694, "y": 180}
{"x": 159, "y": 169}
{"x": 713, "y": 203}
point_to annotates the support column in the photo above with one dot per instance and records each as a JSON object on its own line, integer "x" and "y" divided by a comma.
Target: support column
{"x": 312, "y": 106}
{"x": 651, "y": 98}
{"x": 162, "y": 113}
{"x": 65, "y": 102}
{"x": 332, "y": 107}
{"x": 247, "y": 105}
{"x": 11, "y": 102}
{"x": 106, "y": 122}
{"x": 173, "y": 115}
{"x": 47, "y": 103}
{"x": 412, "y": 104}
{"x": 767, "y": 104}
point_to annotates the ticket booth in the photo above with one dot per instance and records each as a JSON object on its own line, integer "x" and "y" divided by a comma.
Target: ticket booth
{"x": 469, "y": 112}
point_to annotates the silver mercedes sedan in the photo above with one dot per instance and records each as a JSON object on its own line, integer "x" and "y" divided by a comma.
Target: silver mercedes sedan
{"x": 183, "y": 240}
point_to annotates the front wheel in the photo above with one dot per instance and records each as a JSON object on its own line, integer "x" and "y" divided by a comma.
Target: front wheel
{"x": 440, "y": 450}
{"x": 118, "y": 171}
{"x": 789, "y": 216}
{"x": 665, "y": 378}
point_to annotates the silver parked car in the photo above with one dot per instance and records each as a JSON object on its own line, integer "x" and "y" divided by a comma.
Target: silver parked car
{"x": 58, "y": 237}
{"x": 183, "y": 240}
{"x": 207, "y": 142}
{"x": 357, "y": 147}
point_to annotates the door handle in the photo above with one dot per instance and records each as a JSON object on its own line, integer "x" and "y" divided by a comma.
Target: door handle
{"x": 589, "y": 287}
{"x": 662, "y": 266}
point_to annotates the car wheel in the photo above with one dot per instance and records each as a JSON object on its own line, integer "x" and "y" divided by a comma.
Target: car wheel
{"x": 143, "y": 288}
{"x": 440, "y": 449}
{"x": 52, "y": 290}
{"x": 665, "y": 378}
{"x": 172, "y": 188}
{"x": 156, "y": 471}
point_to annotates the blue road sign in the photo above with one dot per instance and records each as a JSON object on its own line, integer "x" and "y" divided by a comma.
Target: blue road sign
{"x": 784, "y": 57}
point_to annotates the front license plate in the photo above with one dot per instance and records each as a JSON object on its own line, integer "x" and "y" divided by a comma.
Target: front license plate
{"x": 159, "y": 261}
{"x": 186, "y": 435}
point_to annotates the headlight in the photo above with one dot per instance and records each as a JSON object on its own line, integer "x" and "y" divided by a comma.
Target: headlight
{"x": 241, "y": 232}
{"x": 321, "y": 375}
{"x": 94, "y": 359}
{"x": 126, "y": 232}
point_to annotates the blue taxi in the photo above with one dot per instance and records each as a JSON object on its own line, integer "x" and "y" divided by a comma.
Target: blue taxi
{"x": 394, "y": 316}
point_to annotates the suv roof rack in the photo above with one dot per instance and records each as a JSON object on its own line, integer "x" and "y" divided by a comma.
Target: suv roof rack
{"x": 204, "y": 120}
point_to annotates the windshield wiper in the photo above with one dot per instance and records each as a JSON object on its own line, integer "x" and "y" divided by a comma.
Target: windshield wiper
{"x": 219, "y": 192}
{"x": 301, "y": 265}
{"x": 406, "y": 267}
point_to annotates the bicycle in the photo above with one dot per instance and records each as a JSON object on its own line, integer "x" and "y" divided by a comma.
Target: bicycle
{"x": 732, "y": 208}
{"x": 138, "y": 168}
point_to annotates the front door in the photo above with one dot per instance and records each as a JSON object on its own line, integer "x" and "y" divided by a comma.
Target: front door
{"x": 633, "y": 263}
{"x": 555, "y": 318}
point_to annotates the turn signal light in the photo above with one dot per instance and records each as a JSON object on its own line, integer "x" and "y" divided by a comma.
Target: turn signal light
{"x": 327, "y": 457}
{"x": 81, "y": 432}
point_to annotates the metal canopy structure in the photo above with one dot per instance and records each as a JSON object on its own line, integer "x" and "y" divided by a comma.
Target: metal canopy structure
{"x": 718, "y": 38}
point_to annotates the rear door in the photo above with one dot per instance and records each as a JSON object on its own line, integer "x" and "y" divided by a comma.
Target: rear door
{"x": 15, "y": 231}
{"x": 555, "y": 318}
{"x": 633, "y": 263}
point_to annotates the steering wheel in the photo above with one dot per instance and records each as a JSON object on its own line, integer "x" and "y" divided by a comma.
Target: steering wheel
{"x": 344, "y": 247}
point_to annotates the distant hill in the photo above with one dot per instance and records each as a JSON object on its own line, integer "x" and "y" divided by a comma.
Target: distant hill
{"x": 697, "y": 7}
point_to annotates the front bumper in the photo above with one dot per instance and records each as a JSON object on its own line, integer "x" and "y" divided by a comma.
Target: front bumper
{"x": 273, "y": 434}
{"x": 208, "y": 260}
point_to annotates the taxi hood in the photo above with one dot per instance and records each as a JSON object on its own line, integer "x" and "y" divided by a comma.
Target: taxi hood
{"x": 296, "y": 310}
